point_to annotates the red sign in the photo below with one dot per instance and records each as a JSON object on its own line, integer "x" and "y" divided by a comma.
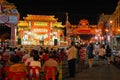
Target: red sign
{"x": 40, "y": 30}
{"x": 83, "y": 31}
{"x": 40, "y": 27}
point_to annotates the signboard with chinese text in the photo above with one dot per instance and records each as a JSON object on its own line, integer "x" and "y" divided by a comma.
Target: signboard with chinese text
{"x": 40, "y": 27}
{"x": 13, "y": 19}
{"x": 3, "y": 18}
{"x": 38, "y": 24}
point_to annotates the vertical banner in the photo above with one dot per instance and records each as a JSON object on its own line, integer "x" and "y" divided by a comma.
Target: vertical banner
{"x": 0, "y": 8}
{"x": 13, "y": 35}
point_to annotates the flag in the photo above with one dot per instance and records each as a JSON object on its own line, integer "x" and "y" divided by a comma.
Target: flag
{"x": 67, "y": 24}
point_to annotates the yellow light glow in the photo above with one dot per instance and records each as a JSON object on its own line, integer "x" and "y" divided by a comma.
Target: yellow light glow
{"x": 106, "y": 30}
{"x": 23, "y": 23}
{"x": 111, "y": 21}
{"x": 58, "y": 24}
{"x": 40, "y": 18}
{"x": 118, "y": 30}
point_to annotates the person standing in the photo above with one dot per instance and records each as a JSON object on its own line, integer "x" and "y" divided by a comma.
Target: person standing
{"x": 90, "y": 55}
{"x": 72, "y": 55}
{"x": 108, "y": 54}
{"x": 82, "y": 54}
{"x": 51, "y": 63}
{"x": 101, "y": 54}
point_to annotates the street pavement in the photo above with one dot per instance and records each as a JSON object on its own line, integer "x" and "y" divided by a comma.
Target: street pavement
{"x": 97, "y": 72}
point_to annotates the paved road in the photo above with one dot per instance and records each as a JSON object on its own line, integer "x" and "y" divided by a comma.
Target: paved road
{"x": 98, "y": 72}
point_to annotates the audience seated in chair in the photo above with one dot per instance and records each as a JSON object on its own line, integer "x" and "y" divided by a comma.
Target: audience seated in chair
{"x": 34, "y": 68}
{"x": 51, "y": 63}
{"x": 17, "y": 69}
{"x": 17, "y": 65}
{"x": 16, "y": 76}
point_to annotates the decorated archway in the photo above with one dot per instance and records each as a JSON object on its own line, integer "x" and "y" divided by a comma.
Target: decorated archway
{"x": 9, "y": 17}
{"x": 83, "y": 31}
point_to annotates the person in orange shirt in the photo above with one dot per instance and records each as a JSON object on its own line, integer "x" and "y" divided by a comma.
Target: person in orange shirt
{"x": 17, "y": 66}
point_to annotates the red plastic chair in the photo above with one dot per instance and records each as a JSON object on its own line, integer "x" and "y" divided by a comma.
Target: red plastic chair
{"x": 50, "y": 72}
{"x": 1, "y": 73}
{"x": 16, "y": 76}
{"x": 6, "y": 70}
{"x": 32, "y": 71}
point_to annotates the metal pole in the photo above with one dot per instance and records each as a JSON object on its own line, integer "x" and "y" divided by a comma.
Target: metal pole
{"x": 110, "y": 31}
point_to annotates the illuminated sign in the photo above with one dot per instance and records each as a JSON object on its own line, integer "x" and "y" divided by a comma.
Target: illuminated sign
{"x": 13, "y": 19}
{"x": 40, "y": 23}
{"x": 23, "y": 23}
{"x": 83, "y": 31}
{"x": 40, "y": 30}
{"x": 3, "y": 18}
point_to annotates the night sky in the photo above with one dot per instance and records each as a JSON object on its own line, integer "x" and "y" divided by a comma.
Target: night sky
{"x": 77, "y": 9}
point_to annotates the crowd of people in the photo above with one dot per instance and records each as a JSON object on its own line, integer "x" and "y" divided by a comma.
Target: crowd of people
{"x": 19, "y": 59}
{"x": 87, "y": 52}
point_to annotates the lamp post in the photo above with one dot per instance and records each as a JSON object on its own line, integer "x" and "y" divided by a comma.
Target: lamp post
{"x": 111, "y": 33}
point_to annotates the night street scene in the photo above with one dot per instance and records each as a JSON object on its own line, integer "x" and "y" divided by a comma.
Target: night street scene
{"x": 59, "y": 39}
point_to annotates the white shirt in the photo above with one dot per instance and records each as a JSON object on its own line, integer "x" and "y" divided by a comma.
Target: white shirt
{"x": 35, "y": 63}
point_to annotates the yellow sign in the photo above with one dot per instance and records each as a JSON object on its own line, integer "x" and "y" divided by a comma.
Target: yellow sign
{"x": 23, "y": 23}
{"x": 40, "y": 23}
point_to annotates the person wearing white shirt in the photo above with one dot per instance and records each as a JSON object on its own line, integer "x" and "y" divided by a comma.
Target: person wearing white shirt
{"x": 101, "y": 54}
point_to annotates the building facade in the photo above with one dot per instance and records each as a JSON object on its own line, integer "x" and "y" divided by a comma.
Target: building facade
{"x": 110, "y": 25}
{"x": 83, "y": 32}
{"x": 116, "y": 25}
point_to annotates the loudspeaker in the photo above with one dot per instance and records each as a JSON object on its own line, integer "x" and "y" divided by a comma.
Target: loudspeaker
{"x": 65, "y": 32}
{"x": 55, "y": 41}
{"x": 19, "y": 41}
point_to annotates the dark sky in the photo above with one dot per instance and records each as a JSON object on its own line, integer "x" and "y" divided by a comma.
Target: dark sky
{"x": 77, "y": 9}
